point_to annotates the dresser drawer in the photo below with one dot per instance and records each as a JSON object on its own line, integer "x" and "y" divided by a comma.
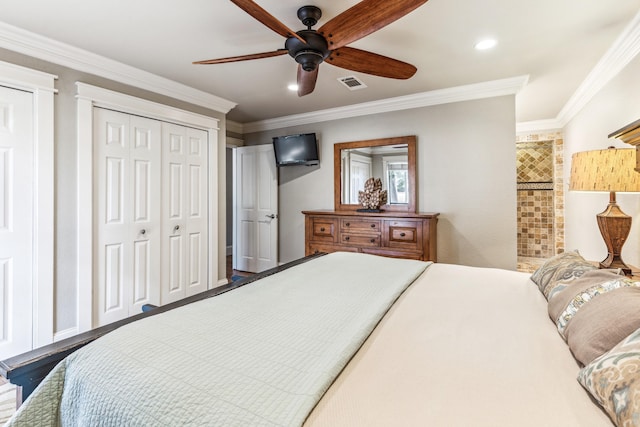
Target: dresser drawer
{"x": 317, "y": 248}
{"x": 360, "y": 225}
{"x": 399, "y": 235}
{"x": 372, "y": 240}
{"x": 404, "y": 234}
{"x": 324, "y": 230}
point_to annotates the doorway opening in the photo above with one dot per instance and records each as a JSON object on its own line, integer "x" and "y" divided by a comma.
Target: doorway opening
{"x": 539, "y": 165}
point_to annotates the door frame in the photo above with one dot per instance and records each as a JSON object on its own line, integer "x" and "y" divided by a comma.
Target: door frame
{"x": 88, "y": 97}
{"x": 42, "y": 86}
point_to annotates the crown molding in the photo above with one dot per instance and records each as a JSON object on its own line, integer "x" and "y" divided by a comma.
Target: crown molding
{"x": 537, "y": 126}
{"x": 31, "y": 44}
{"x": 234, "y": 127}
{"x": 623, "y": 50}
{"x": 488, "y": 89}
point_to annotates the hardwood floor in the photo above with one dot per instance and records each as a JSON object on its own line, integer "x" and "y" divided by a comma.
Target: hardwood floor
{"x": 231, "y": 272}
{"x": 7, "y": 400}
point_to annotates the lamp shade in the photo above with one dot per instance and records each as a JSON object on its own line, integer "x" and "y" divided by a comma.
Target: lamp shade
{"x": 609, "y": 170}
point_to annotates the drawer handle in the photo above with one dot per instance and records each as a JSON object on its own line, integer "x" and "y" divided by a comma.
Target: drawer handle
{"x": 347, "y": 238}
{"x": 373, "y": 240}
{"x": 373, "y": 226}
{"x": 321, "y": 228}
{"x": 347, "y": 224}
{"x": 402, "y": 234}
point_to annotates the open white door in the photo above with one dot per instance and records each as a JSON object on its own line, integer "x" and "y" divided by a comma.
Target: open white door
{"x": 255, "y": 213}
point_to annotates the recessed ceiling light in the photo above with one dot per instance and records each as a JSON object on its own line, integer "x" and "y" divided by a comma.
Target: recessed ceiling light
{"x": 486, "y": 44}
{"x": 293, "y": 87}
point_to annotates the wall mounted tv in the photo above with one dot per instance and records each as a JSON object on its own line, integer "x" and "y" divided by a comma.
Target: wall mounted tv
{"x": 295, "y": 150}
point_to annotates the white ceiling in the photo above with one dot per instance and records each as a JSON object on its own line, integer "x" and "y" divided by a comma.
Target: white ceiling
{"x": 556, "y": 42}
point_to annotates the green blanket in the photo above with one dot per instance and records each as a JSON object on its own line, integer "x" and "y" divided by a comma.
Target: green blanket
{"x": 261, "y": 355}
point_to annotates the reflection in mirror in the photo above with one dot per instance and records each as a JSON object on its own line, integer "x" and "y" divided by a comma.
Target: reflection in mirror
{"x": 392, "y": 160}
{"x": 387, "y": 162}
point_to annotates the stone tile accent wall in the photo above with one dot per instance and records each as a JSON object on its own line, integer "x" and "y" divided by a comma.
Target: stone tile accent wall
{"x": 540, "y": 195}
{"x": 534, "y": 162}
{"x": 535, "y": 223}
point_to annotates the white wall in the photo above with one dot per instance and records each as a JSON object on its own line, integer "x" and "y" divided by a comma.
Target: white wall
{"x": 615, "y": 106}
{"x": 466, "y": 171}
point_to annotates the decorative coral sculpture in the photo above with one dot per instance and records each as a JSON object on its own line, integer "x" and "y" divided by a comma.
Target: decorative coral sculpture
{"x": 373, "y": 195}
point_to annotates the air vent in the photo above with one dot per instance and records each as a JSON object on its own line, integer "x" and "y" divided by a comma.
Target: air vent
{"x": 352, "y": 83}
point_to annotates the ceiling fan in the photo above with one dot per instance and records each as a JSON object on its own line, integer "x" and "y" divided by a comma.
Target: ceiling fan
{"x": 311, "y": 47}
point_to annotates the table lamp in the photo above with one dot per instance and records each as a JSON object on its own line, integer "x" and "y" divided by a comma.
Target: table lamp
{"x": 609, "y": 170}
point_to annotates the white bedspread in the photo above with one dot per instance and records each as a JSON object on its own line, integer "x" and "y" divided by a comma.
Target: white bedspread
{"x": 463, "y": 346}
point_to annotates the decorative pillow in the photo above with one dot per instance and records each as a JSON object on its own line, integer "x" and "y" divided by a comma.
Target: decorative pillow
{"x": 565, "y": 292}
{"x": 613, "y": 379}
{"x": 599, "y": 317}
{"x": 566, "y": 266}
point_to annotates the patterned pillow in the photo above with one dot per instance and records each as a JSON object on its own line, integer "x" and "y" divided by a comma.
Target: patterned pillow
{"x": 565, "y": 292}
{"x": 563, "y": 267}
{"x": 596, "y": 318}
{"x": 613, "y": 379}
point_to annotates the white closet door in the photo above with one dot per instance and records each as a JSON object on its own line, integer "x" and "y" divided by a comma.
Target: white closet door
{"x": 146, "y": 164}
{"x": 16, "y": 221}
{"x": 184, "y": 225}
{"x": 127, "y": 188}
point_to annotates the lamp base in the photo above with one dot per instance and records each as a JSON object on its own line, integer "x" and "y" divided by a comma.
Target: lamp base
{"x": 614, "y": 226}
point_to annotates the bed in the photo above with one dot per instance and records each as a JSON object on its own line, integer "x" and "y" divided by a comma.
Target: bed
{"x": 343, "y": 339}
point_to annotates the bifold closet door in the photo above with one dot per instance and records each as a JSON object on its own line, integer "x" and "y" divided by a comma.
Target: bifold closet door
{"x": 184, "y": 212}
{"x": 127, "y": 189}
{"x": 16, "y": 221}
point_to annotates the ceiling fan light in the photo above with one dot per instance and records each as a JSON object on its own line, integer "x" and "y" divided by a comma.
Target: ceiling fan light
{"x": 293, "y": 87}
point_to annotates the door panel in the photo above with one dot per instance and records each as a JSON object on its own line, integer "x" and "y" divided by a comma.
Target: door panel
{"x": 16, "y": 221}
{"x": 185, "y": 156}
{"x": 142, "y": 289}
{"x": 255, "y": 246}
{"x": 196, "y": 211}
{"x": 127, "y": 189}
{"x": 145, "y": 162}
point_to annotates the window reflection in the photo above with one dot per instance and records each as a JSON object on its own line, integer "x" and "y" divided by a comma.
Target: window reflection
{"x": 390, "y": 163}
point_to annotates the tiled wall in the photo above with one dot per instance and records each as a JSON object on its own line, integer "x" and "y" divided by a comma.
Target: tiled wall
{"x": 535, "y": 223}
{"x": 540, "y": 196}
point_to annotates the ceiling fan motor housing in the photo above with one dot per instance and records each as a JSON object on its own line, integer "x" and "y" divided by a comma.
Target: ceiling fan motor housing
{"x": 309, "y": 15}
{"x": 310, "y": 54}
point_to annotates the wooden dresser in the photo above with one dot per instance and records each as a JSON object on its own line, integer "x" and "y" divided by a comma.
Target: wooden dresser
{"x": 392, "y": 234}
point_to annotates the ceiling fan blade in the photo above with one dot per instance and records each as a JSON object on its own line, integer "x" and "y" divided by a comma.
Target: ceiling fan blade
{"x": 243, "y": 57}
{"x": 266, "y": 18}
{"x": 364, "y": 18}
{"x": 370, "y": 63}
{"x": 307, "y": 80}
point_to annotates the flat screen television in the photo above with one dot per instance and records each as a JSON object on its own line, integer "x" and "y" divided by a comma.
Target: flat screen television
{"x": 294, "y": 150}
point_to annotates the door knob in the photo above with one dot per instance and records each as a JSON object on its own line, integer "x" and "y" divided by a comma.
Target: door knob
{"x": 143, "y": 231}
{"x": 176, "y": 228}
{"x": 272, "y": 216}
